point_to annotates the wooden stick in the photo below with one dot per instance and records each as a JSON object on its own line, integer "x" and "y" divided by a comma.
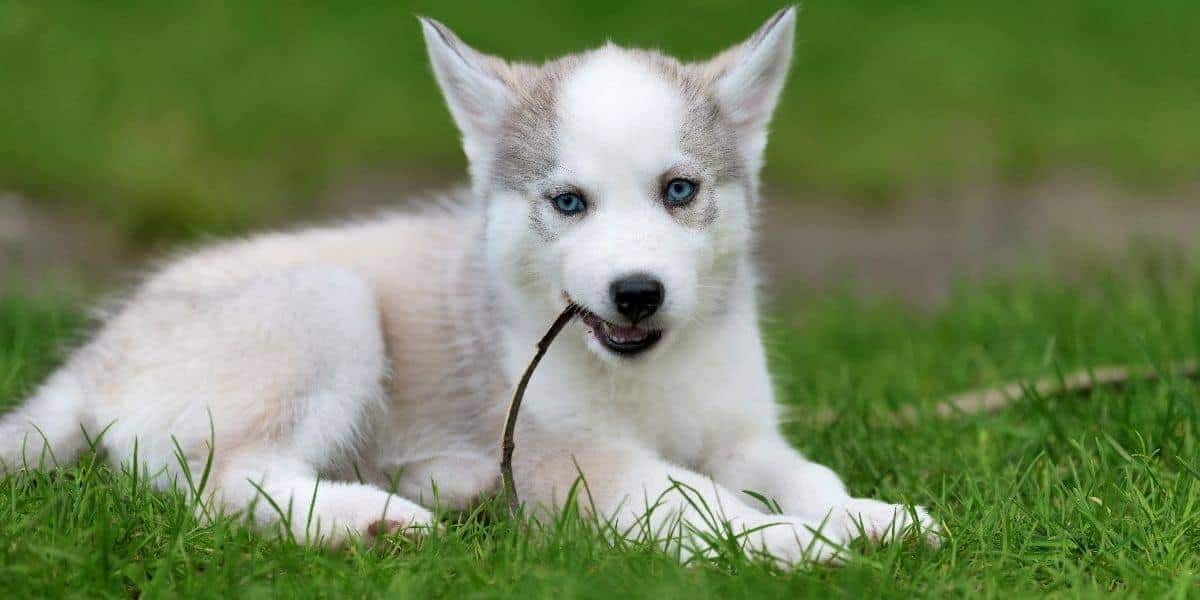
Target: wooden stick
{"x": 510, "y": 421}
{"x": 993, "y": 400}
{"x": 1082, "y": 382}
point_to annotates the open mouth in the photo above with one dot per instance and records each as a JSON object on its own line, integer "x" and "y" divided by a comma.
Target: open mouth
{"x": 627, "y": 340}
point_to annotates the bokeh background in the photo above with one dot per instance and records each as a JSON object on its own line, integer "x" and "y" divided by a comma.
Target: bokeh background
{"x": 917, "y": 140}
{"x": 960, "y": 193}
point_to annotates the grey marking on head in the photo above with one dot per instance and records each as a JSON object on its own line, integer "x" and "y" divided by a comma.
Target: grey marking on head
{"x": 537, "y": 220}
{"x": 709, "y": 216}
{"x": 705, "y": 133}
{"x": 701, "y": 213}
{"x": 527, "y": 149}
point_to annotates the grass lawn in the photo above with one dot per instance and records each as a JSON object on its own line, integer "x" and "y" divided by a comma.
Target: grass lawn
{"x": 175, "y": 118}
{"x": 1066, "y": 495}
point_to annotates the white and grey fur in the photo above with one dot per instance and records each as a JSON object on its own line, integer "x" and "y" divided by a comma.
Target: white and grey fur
{"x": 392, "y": 345}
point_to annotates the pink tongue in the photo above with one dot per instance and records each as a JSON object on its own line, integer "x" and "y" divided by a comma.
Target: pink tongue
{"x": 625, "y": 333}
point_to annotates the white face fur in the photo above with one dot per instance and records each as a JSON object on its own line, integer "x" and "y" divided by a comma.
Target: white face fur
{"x": 621, "y": 179}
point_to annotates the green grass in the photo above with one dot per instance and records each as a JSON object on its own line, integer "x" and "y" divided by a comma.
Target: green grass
{"x": 175, "y": 118}
{"x": 1070, "y": 496}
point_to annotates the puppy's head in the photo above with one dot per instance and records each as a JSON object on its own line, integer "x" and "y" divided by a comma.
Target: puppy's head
{"x": 623, "y": 180}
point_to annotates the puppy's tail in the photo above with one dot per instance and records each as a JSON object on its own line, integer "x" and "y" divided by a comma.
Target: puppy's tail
{"x": 48, "y": 429}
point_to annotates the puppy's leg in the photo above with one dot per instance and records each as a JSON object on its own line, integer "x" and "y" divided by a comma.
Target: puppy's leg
{"x": 453, "y": 481}
{"x": 645, "y": 494}
{"x": 48, "y": 428}
{"x": 285, "y": 490}
{"x": 766, "y": 464}
{"x": 277, "y": 379}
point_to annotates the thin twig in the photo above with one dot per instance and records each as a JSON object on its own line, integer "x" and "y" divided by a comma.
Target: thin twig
{"x": 510, "y": 421}
{"x": 993, "y": 400}
{"x": 1082, "y": 382}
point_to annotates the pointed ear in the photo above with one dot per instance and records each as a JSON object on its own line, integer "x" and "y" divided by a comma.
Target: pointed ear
{"x": 473, "y": 85}
{"x": 748, "y": 77}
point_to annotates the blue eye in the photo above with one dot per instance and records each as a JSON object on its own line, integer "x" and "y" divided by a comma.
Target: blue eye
{"x": 679, "y": 192}
{"x": 569, "y": 203}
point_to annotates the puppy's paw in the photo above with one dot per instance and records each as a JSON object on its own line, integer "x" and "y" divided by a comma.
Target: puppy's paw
{"x": 791, "y": 541}
{"x": 337, "y": 524}
{"x": 410, "y": 528}
{"x": 883, "y": 522}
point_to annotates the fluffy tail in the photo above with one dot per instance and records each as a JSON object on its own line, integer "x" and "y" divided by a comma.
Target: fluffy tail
{"x": 46, "y": 430}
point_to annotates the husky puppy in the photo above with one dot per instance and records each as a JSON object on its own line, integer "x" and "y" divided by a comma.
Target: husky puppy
{"x": 315, "y": 366}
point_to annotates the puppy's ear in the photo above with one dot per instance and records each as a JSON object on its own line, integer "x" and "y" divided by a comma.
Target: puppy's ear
{"x": 474, "y": 88}
{"x": 748, "y": 78}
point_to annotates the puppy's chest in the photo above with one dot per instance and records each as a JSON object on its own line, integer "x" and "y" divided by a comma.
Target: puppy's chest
{"x": 676, "y": 419}
{"x": 676, "y": 433}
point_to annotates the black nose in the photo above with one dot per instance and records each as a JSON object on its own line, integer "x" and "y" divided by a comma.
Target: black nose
{"x": 637, "y": 296}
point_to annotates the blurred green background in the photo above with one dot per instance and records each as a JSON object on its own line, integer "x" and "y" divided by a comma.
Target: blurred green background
{"x": 171, "y": 119}
{"x": 920, "y": 144}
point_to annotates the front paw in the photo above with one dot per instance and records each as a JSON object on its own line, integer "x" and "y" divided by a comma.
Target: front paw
{"x": 790, "y": 541}
{"x": 883, "y": 522}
